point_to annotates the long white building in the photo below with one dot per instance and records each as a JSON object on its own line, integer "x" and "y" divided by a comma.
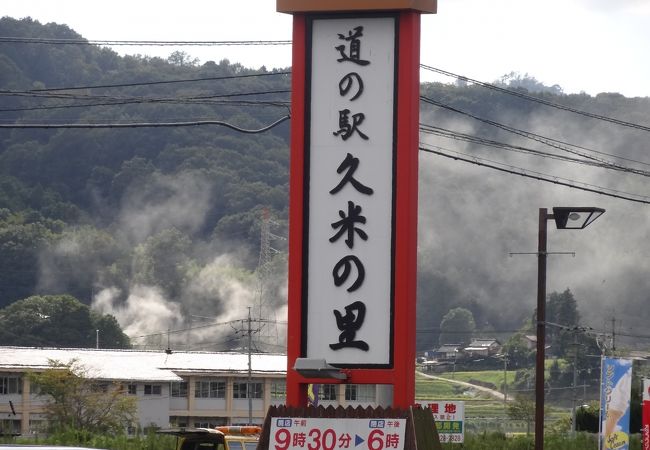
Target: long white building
{"x": 172, "y": 389}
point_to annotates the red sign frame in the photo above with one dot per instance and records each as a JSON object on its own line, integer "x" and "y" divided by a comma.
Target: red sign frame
{"x": 402, "y": 373}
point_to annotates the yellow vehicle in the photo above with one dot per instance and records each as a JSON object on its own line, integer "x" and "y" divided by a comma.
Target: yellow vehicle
{"x": 219, "y": 438}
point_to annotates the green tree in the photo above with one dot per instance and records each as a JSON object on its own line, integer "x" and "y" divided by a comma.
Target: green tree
{"x": 56, "y": 321}
{"x": 81, "y": 247}
{"x": 162, "y": 260}
{"x": 109, "y": 330}
{"x": 522, "y": 408}
{"x": 588, "y": 417}
{"x": 180, "y": 58}
{"x": 20, "y": 245}
{"x": 76, "y": 401}
{"x": 517, "y": 351}
{"x": 561, "y": 309}
{"x": 457, "y": 327}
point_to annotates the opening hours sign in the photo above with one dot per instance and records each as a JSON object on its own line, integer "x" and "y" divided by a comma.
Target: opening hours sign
{"x": 295, "y": 433}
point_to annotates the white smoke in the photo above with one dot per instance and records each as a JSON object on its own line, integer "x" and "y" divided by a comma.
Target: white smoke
{"x": 178, "y": 201}
{"x": 144, "y": 316}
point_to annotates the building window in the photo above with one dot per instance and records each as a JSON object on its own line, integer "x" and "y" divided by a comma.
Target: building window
{"x": 152, "y": 389}
{"x": 360, "y": 392}
{"x": 10, "y": 385}
{"x": 210, "y": 422}
{"x": 328, "y": 391}
{"x": 179, "y": 389}
{"x": 239, "y": 390}
{"x": 279, "y": 390}
{"x": 179, "y": 421}
{"x": 210, "y": 389}
{"x": 351, "y": 392}
{"x": 132, "y": 389}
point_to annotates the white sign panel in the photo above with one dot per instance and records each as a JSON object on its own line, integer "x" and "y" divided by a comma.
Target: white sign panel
{"x": 450, "y": 420}
{"x": 295, "y": 433}
{"x": 350, "y": 191}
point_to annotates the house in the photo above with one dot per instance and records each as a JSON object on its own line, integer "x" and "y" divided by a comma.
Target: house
{"x": 531, "y": 341}
{"x": 445, "y": 352}
{"x": 182, "y": 389}
{"x": 482, "y": 347}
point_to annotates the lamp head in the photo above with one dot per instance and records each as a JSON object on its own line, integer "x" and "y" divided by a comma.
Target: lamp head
{"x": 575, "y": 217}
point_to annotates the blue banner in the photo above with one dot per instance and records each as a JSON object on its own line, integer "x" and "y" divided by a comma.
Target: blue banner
{"x": 615, "y": 384}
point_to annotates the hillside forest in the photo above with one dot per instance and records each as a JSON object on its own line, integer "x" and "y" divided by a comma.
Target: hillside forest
{"x": 159, "y": 228}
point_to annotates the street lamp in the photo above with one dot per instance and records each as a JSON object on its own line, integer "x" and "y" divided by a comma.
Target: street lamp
{"x": 569, "y": 218}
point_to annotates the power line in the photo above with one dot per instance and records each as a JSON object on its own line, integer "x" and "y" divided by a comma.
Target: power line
{"x": 449, "y": 134}
{"x": 140, "y": 99}
{"x": 206, "y": 99}
{"x": 536, "y": 175}
{"x": 241, "y": 103}
{"x": 538, "y": 100}
{"x": 564, "y": 146}
{"x": 57, "y": 41}
{"x": 143, "y": 125}
{"x": 151, "y": 83}
{"x": 182, "y": 330}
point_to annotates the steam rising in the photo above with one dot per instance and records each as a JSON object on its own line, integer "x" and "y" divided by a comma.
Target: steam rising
{"x": 470, "y": 219}
{"x": 145, "y": 311}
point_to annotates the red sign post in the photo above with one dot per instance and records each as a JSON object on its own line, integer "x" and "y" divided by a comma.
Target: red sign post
{"x": 645, "y": 416}
{"x": 353, "y": 192}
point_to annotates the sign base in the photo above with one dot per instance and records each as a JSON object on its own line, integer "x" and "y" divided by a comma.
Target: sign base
{"x": 326, "y": 428}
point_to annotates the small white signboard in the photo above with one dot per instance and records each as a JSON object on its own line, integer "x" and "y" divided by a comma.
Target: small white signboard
{"x": 298, "y": 433}
{"x": 450, "y": 420}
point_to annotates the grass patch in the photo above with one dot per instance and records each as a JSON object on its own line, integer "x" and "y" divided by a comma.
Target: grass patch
{"x": 494, "y": 377}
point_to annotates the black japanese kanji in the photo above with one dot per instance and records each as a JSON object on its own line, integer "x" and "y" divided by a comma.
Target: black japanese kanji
{"x": 346, "y": 128}
{"x": 345, "y": 264}
{"x": 349, "y": 324}
{"x": 355, "y": 47}
{"x": 349, "y": 166}
{"x": 347, "y": 224}
{"x": 347, "y": 82}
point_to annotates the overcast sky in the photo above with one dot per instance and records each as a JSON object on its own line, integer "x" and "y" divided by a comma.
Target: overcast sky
{"x": 582, "y": 45}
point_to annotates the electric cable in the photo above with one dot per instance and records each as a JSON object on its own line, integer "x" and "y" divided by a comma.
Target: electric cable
{"x": 527, "y": 134}
{"x": 535, "y": 175}
{"x": 242, "y": 103}
{"x": 154, "y": 43}
{"x": 153, "y": 83}
{"x": 144, "y": 125}
{"x": 141, "y": 98}
{"x": 449, "y": 134}
{"x": 539, "y": 100}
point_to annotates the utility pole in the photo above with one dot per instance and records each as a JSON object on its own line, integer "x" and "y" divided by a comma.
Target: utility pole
{"x": 250, "y": 371}
{"x": 505, "y": 382}
{"x": 613, "y": 333}
{"x": 575, "y": 382}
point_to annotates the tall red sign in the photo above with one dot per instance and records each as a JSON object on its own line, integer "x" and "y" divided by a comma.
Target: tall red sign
{"x": 353, "y": 191}
{"x": 645, "y": 416}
